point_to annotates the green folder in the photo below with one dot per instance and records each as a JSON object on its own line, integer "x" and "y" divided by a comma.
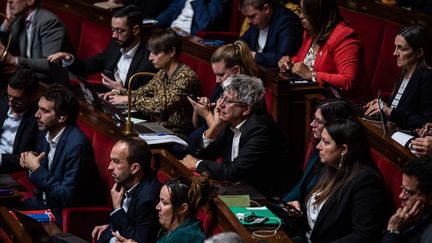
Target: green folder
{"x": 272, "y": 221}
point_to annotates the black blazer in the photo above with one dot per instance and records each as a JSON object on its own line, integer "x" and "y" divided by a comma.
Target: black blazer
{"x": 359, "y": 215}
{"x": 25, "y": 138}
{"x": 415, "y": 106}
{"x": 107, "y": 60}
{"x": 262, "y": 160}
{"x": 141, "y": 220}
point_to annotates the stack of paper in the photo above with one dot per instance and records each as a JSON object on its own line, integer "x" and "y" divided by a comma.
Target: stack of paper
{"x": 162, "y": 138}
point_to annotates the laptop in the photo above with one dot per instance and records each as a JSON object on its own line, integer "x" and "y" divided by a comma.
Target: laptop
{"x": 34, "y": 228}
{"x": 91, "y": 96}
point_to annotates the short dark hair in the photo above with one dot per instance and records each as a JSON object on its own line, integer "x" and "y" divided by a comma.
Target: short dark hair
{"x": 65, "y": 103}
{"x": 164, "y": 40}
{"x": 133, "y": 13}
{"x": 421, "y": 169}
{"x": 138, "y": 152}
{"x": 257, "y": 4}
{"x": 26, "y": 80}
{"x": 419, "y": 37}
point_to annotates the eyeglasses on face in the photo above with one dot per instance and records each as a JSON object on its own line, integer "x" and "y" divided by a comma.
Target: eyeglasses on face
{"x": 227, "y": 101}
{"x": 118, "y": 30}
{"x": 317, "y": 121}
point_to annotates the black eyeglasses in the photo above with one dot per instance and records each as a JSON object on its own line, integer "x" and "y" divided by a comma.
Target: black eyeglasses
{"x": 227, "y": 101}
{"x": 118, "y": 30}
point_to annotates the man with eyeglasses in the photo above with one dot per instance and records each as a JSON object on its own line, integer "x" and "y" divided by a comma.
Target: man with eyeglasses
{"x": 19, "y": 126}
{"x": 414, "y": 216}
{"x": 252, "y": 148}
{"x": 124, "y": 56}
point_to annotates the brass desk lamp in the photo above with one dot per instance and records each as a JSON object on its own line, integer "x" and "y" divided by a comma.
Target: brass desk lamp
{"x": 4, "y": 54}
{"x": 128, "y": 129}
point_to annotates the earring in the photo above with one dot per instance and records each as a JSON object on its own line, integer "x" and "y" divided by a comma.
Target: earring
{"x": 341, "y": 161}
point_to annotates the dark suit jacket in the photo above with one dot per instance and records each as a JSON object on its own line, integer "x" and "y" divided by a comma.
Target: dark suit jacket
{"x": 25, "y": 138}
{"x": 141, "y": 221}
{"x": 73, "y": 179}
{"x": 48, "y": 37}
{"x": 360, "y": 213}
{"x": 417, "y": 233}
{"x": 262, "y": 160}
{"x": 107, "y": 60}
{"x": 150, "y": 8}
{"x": 415, "y": 106}
{"x": 284, "y": 37}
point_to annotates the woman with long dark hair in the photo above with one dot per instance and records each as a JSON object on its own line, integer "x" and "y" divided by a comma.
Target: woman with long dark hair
{"x": 349, "y": 199}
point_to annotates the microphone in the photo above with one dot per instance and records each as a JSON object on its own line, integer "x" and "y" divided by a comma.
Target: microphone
{"x": 6, "y": 50}
{"x": 163, "y": 115}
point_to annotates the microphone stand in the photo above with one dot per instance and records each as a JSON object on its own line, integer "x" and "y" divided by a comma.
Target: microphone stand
{"x": 5, "y": 52}
{"x": 128, "y": 129}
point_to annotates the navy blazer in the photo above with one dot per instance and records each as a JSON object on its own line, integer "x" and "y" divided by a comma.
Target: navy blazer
{"x": 25, "y": 138}
{"x": 141, "y": 221}
{"x": 107, "y": 61}
{"x": 208, "y": 14}
{"x": 73, "y": 179}
{"x": 415, "y": 106}
{"x": 262, "y": 160}
{"x": 359, "y": 214}
{"x": 285, "y": 35}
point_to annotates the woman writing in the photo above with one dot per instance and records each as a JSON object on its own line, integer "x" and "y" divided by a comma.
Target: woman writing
{"x": 349, "y": 200}
{"x": 330, "y": 52}
{"x": 411, "y": 103}
{"x": 180, "y": 200}
{"x": 178, "y": 79}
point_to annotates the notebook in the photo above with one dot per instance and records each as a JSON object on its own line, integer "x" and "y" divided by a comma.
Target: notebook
{"x": 33, "y": 228}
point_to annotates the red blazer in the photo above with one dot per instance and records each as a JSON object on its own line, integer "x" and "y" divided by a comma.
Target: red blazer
{"x": 340, "y": 62}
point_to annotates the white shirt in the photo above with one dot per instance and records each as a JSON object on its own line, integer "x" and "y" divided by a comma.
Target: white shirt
{"x": 124, "y": 63}
{"x": 235, "y": 147}
{"x": 53, "y": 145}
{"x": 29, "y": 30}
{"x": 312, "y": 212}
{"x": 399, "y": 94}
{"x": 262, "y": 39}
{"x": 184, "y": 20}
{"x": 9, "y": 130}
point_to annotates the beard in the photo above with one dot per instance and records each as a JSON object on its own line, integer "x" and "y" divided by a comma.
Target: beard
{"x": 126, "y": 43}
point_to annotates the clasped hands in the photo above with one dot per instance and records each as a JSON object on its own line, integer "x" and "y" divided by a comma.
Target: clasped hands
{"x": 31, "y": 160}
{"x": 285, "y": 64}
{"x": 423, "y": 144}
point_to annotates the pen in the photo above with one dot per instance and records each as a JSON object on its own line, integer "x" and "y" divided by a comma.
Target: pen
{"x": 162, "y": 134}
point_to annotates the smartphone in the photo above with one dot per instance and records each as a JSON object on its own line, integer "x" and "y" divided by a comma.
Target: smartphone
{"x": 289, "y": 207}
{"x": 193, "y": 97}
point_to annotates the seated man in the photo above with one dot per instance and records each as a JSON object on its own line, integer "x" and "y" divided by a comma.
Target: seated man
{"x": 36, "y": 34}
{"x": 191, "y": 16}
{"x": 275, "y": 31}
{"x": 124, "y": 56}
{"x": 17, "y": 116}
{"x": 252, "y": 148}
{"x": 415, "y": 213}
{"x": 135, "y": 194}
{"x": 62, "y": 167}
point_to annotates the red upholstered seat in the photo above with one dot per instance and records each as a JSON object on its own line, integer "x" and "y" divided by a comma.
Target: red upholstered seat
{"x": 392, "y": 175}
{"x": 207, "y": 78}
{"x": 94, "y": 38}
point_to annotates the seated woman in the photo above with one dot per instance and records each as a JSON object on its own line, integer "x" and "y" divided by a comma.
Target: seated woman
{"x": 411, "y": 103}
{"x": 327, "y": 112}
{"x": 330, "y": 52}
{"x": 180, "y": 200}
{"x": 228, "y": 60}
{"x": 179, "y": 81}
{"x": 349, "y": 201}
